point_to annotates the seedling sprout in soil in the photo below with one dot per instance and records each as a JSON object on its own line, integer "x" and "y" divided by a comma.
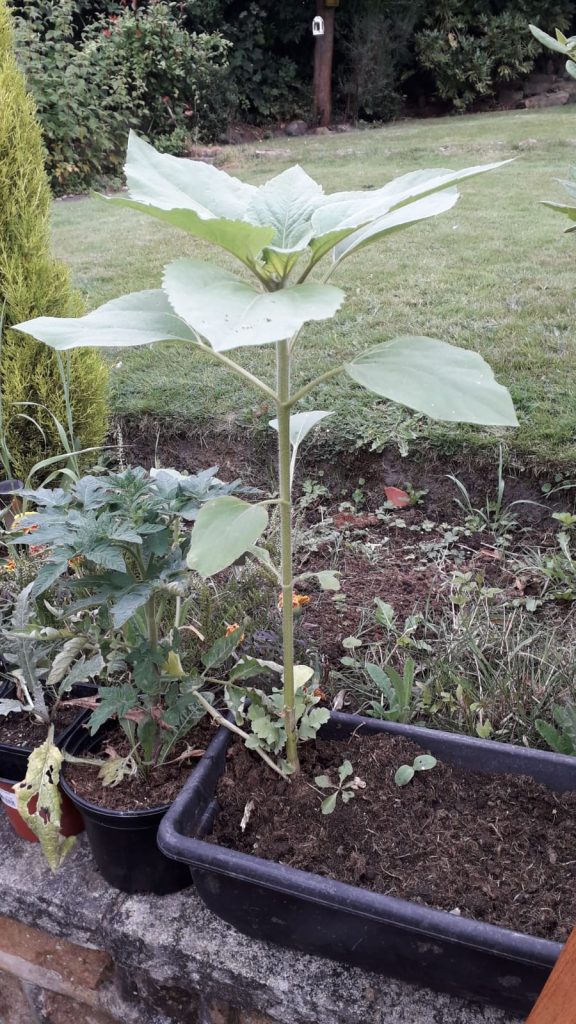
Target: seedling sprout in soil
{"x": 280, "y": 232}
{"x": 406, "y": 772}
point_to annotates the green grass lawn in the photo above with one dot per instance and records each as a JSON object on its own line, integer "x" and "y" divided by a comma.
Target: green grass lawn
{"x": 495, "y": 274}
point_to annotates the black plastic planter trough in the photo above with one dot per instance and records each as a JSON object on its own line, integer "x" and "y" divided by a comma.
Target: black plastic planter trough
{"x": 391, "y": 936}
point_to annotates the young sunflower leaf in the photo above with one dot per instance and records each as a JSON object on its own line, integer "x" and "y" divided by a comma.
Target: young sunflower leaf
{"x": 438, "y": 379}
{"x": 323, "y": 781}
{"x": 404, "y": 775}
{"x": 224, "y": 529}
{"x": 424, "y": 762}
{"x": 140, "y": 318}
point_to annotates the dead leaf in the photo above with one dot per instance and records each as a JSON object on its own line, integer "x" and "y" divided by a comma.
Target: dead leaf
{"x": 81, "y": 702}
{"x": 490, "y": 553}
{"x": 397, "y": 497}
{"x": 247, "y": 814}
{"x": 338, "y": 702}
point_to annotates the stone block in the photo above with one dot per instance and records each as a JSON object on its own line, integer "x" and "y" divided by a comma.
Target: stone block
{"x": 177, "y": 948}
{"x": 51, "y": 962}
{"x": 547, "y": 99}
{"x": 173, "y": 1003}
{"x": 59, "y": 1009}
{"x": 295, "y": 128}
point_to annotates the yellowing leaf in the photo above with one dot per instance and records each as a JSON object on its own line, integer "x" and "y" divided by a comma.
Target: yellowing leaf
{"x": 42, "y": 815}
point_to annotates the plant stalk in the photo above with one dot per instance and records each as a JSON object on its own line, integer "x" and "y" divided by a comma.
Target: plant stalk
{"x": 284, "y": 473}
{"x": 151, "y": 623}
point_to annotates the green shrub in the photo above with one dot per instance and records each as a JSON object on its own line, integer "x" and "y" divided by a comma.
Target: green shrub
{"x": 86, "y": 100}
{"x": 472, "y": 49}
{"x": 32, "y": 283}
{"x": 139, "y": 68}
{"x": 180, "y": 78}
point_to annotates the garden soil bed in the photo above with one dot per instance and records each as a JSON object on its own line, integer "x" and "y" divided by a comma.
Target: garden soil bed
{"x": 498, "y": 849}
{"x": 136, "y": 793}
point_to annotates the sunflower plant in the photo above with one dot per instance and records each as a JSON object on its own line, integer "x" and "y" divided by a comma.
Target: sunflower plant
{"x": 280, "y": 233}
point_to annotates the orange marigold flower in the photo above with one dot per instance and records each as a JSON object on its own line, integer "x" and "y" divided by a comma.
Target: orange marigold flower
{"x": 297, "y": 601}
{"x": 232, "y": 629}
{"x": 9, "y": 565}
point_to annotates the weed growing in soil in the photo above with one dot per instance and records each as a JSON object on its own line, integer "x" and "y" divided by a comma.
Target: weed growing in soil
{"x": 496, "y": 516}
{"x": 554, "y": 571}
{"x": 562, "y": 739}
{"x": 346, "y": 787}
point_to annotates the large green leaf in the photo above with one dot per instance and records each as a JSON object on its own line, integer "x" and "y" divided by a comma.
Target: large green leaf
{"x": 245, "y": 241}
{"x": 435, "y": 378}
{"x": 172, "y": 182}
{"x": 230, "y": 313}
{"x": 402, "y": 217}
{"x": 140, "y": 318}
{"x": 341, "y": 211}
{"x": 568, "y": 211}
{"x": 342, "y": 214}
{"x": 224, "y": 529}
{"x": 287, "y": 202}
{"x": 194, "y": 196}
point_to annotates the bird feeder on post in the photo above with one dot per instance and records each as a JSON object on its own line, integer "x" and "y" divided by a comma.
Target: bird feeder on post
{"x": 323, "y": 55}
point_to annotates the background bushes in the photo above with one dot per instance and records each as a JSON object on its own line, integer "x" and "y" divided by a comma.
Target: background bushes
{"x": 94, "y": 79}
{"x": 471, "y": 49}
{"x": 182, "y": 72}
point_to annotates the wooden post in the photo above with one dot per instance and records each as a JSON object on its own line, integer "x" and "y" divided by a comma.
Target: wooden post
{"x": 323, "y": 54}
{"x": 557, "y": 1001}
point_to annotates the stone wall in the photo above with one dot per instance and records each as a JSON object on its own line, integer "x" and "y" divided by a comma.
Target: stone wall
{"x": 75, "y": 951}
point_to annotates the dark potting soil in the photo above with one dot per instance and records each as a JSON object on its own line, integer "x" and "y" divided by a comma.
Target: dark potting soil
{"x": 497, "y": 848}
{"x": 136, "y": 792}
{"x": 22, "y": 730}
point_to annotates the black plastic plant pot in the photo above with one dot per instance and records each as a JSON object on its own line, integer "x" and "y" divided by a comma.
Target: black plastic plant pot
{"x": 390, "y": 936}
{"x": 124, "y": 843}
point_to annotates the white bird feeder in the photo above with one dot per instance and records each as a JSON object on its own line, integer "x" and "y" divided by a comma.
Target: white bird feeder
{"x": 318, "y": 27}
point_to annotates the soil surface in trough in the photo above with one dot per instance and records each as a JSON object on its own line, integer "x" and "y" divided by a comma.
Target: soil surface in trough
{"x": 498, "y": 849}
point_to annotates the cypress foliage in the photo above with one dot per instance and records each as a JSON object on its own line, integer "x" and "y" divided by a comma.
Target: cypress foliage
{"x": 33, "y": 283}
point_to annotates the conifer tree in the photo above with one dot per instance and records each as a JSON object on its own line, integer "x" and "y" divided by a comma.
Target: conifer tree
{"x": 33, "y": 283}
